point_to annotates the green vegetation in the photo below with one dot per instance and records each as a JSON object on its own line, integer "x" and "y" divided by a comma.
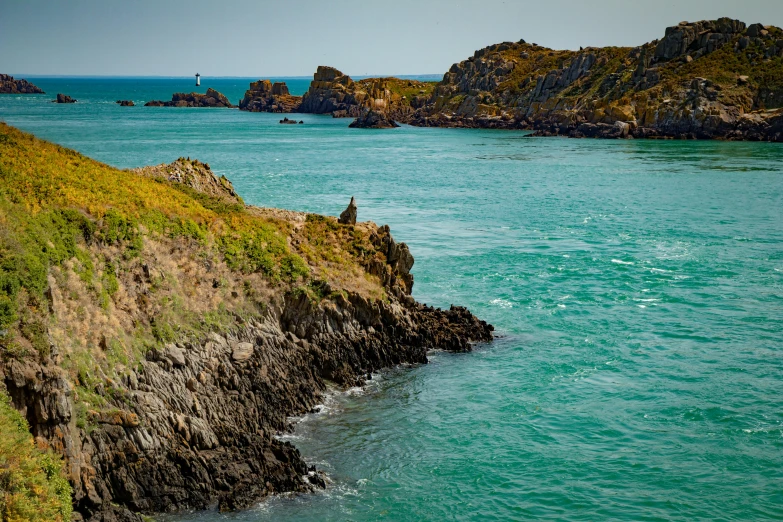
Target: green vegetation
{"x": 33, "y": 485}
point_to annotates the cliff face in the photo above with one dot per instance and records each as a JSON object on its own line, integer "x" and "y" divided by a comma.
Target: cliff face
{"x": 8, "y": 85}
{"x": 212, "y": 98}
{"x": 158, "y": 333}
{"x": 710, "y": 79}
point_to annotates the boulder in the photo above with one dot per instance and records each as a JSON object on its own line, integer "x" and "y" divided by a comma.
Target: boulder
{"x": 63, "y": 98}
{"x": 372, "y": 119}
{"x": 348, "y": 216}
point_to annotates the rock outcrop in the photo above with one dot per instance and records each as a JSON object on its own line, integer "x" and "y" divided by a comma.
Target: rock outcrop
{"x": 8, "y": 85}
{"x": 125, "y": 103}
{"x": 212, "y": 98}
{"x": 63, "y": 98}
{"x": 348, "y": 216}
{"x": 265, "y": 96}
{"x": 196, "y": 175}
{"x": 372, "y": 119}
{"x": 709, "y": 79}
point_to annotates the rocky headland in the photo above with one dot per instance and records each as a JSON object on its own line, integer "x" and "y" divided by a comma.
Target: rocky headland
{"x": 63, "y": 98}
{"x": 710, "y": 79}
{"x": 212, "y": 98}
{"x": 8, "y": 85}
{"x": 157, "y": 333}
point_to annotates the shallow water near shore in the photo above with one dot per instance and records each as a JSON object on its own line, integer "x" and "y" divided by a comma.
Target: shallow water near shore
{"x": 637, "y": 287}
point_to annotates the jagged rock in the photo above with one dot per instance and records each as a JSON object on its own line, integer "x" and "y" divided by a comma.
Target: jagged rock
{"x": 125, "y": 103}
{"x": 707, "y": 35}
{"x": 264, "y": 96}
{"x": 195, "y": 175}
{"x": 212, "y": 98}
{"x": 288, "y": 122}
{"x": 242, "y": 351}
{"x": 348, "y": 216}
{"x": 8, "y": 85}
{"x": 371, "y": 119}
{"x": 62, "y": 98}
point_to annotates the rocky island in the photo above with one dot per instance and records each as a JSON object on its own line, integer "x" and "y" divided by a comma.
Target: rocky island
{"x": 710, "y": 79}
{"x": 8, "y": 85}
{"x": 63, "y": 98}
{"x": 212, "y": 98}
{"x": 156, "y": 333}
{"x": 125, "y": 103}
{"x": 335, "y": 93}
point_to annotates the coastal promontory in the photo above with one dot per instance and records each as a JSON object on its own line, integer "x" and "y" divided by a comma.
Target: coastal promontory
{"x": 9, "y": 85}
{"x": 156, "y": 333}
{"x": 709, "y": 79}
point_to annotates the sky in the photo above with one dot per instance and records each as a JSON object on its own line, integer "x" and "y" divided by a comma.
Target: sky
{"x": 292, "y": 37}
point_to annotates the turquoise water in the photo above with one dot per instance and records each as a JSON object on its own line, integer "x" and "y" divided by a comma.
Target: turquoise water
{"x": 637, "y": 287}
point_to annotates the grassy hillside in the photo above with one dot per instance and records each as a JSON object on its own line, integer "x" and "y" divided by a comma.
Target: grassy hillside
{"x": 98, "y": 265}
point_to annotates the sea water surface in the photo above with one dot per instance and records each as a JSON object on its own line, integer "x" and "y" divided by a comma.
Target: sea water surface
{"x": 636, "y": 288}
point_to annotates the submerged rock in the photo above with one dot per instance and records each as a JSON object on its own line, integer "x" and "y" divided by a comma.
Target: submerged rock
{"x": 8, "y": 85}
{"x": 371, "y": 119}
{"x": 125, "y": 103}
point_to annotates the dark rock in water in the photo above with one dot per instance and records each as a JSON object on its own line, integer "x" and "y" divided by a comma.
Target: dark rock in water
{"x": 8, "y": 85}
{"x": 125, "y": 103}
{"x": 301, "y": 121}
{"x": 265, "y": 96}
{"x": 371, "y": 119}
{"x": 348, "y": 216}
{"x": 288, "y": 122}
{"x": 63, "y": 98}
{"x": 212, "y": 98}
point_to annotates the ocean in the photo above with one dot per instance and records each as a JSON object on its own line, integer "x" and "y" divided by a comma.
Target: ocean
{"x": 636, "y": 288}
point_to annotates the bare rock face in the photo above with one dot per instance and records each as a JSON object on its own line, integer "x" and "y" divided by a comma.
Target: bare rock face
{"x": 63, "y": 98}
{"x": 195, "y": 175}
{"x": 8, "y": 85}
{"x": 265, "y": 96}
{"x": 348, "y": 216}
{"x": 330, "y": 91}
{"x": 371, "y": 119}
{"x": 698, "y": 38}
{"x": 212, "y": 98}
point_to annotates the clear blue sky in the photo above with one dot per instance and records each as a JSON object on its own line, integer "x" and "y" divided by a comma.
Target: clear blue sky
{"x": 292, "y": 37}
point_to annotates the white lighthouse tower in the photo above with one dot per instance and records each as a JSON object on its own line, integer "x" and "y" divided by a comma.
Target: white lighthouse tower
{"x": 198, "y": 79}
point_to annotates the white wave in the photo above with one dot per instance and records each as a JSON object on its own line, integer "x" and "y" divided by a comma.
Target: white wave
{"x": 502, "y": 303}
{"x": 619, "y": 262}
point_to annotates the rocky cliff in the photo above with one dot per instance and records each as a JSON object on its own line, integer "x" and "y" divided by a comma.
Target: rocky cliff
{"x": 8, "y": 85}
{"x": 158, "y": 333}
{"x": 709, "y": 79}
{"x": 212, "y": 98}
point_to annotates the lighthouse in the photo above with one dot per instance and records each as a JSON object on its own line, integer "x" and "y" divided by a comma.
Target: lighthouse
{"x": 198, "y": 79}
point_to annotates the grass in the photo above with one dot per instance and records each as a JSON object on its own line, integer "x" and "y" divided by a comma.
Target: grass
{"x": 33, "y": 485}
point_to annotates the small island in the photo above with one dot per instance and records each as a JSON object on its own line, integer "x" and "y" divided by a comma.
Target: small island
{"x": 212, "y": 98}
{"x": 63, "y": 98}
